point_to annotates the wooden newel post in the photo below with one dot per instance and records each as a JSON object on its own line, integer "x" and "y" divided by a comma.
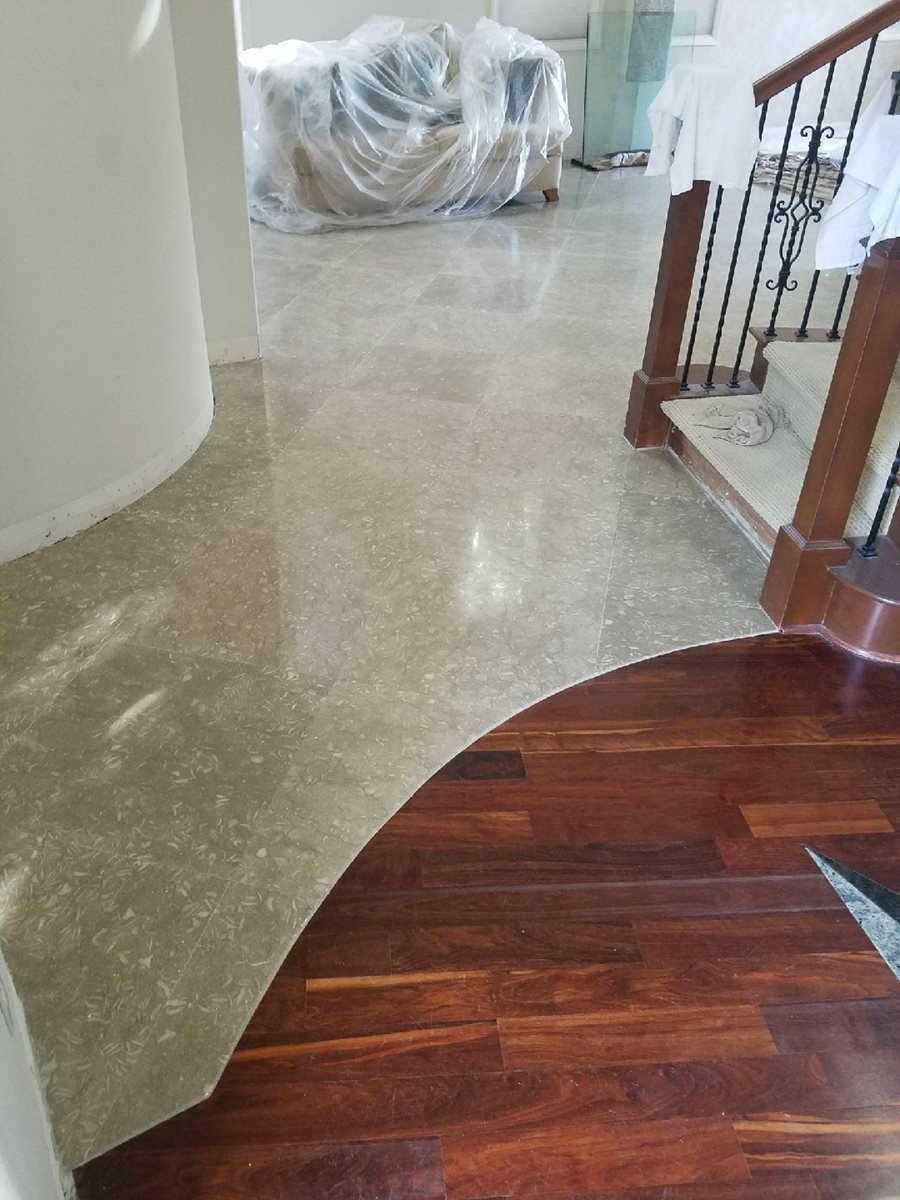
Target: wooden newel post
{"x": 657, "y": 380}
{"x": 798, "y": 585}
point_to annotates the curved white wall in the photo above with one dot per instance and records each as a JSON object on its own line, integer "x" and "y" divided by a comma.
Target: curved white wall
{"x": 104, "y": 385}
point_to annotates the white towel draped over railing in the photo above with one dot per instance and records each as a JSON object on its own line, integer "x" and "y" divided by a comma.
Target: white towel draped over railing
{"x": 705, "y": 125}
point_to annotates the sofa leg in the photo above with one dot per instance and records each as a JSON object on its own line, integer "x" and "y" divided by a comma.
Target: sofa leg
{"x": 551, "y": 195}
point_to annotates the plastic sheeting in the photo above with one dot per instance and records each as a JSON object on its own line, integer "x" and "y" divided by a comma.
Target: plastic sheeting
{"x": 401, "y": 121}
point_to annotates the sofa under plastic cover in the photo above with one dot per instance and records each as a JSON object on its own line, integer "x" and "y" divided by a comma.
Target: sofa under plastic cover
{"x": 402, "y": 121}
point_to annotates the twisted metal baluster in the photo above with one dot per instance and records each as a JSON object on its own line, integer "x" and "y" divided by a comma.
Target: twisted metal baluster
{"x": 834, "y": 332}
{"x": 760, "y": 262}
{"x": 729, "y": 283}
{"x": 803, "y": 208}
{"x": 803, "y": 331}
{"x": 701, "y": 295}
{"x": 867, "y": 549}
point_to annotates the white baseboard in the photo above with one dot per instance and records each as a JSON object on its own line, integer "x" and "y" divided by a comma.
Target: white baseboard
{"x": 235, "y": 350}
{"x": 80, "y": 514}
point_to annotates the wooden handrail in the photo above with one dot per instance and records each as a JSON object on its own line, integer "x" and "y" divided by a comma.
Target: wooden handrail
{"x": 821, "y": 55}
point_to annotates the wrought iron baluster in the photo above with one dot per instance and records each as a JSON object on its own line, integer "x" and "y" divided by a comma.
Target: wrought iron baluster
{"x": 701, "y": 294}
{"x": 776, "y": 187}
{"x": 868, "y": 549}
{"x": 834, "y": 332}
{"x": 729, "y": 283}
{"x": 803, "y": 208}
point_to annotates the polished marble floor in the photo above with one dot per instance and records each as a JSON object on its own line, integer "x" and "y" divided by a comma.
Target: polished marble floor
{"x": 415, "y": 517}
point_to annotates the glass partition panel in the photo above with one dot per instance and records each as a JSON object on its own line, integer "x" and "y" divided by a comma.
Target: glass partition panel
{"x": 631, "y": 47}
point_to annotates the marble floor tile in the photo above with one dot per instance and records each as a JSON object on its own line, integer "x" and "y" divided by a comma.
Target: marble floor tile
{"x": 678, "y": 577}
{"x": 345, "y": 325}
{"x": 96, "y": 942}
{"x": 360, "y": 426}
{"x": 480, "y": 293}
{"x": 394, "y": 369}
{"x": 660, "y": 473}
{"x": 197, "y": 1026}
{"x": 328, "y": 250}
{"x": 553, "y": 383}
{"x": 157, "y": 757}
{"x": 414, "y": 517}
{"x": 460, "y": 327}
{"x": 262, "y": 405}
{"x": 294, "y": 602}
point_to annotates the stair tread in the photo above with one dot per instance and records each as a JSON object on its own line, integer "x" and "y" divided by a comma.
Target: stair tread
{"x": 768, "y": 477}
{"x": 805, "y": 372}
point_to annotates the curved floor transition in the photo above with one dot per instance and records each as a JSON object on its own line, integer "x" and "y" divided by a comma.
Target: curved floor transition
{"x": 415, "y": 517}
{"x": 591, "y": 955}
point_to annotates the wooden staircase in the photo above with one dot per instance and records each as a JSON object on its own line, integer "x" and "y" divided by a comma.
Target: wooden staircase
{"x": 760, "y": 485}
{"x": 809, "y": 495}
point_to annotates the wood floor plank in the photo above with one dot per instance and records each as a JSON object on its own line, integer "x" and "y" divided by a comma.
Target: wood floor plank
{"x": 353, "y": 1007}
{"x": 321, "y": 956}
{"x": 707, "y": 1088}
{"x": 815, "y": 819}
{"x": 512, "y": 943}
{"x": 317, "y": 1109}
{"x": 470, "y": 766}
{"x": 408, "y": 1001}
{"x": 864, "y": 1138}
{"x": 442, "y": 1050}
{"x": 602, "y": 862}
{"x": 579, "y": 1158}
{"x": 644, "y": 1035}
{"x": 378, "y": 1171}
{"x": 874, "y": 854}
{"x": 864, "y": 1078}
{"x": 795, "y": 1187}
{"x": 381, "y": 869}
{"x": 451, "y": 829}
{"x": 686, "y": 939}
{"x": 641, "y": 736}
{"x": 587, "y": 822}
{"x": 862, "y": 1183}
{"x": 576, "y": 902}
{"x": 863, "y": 1025}
{"x": 890, "y": 804}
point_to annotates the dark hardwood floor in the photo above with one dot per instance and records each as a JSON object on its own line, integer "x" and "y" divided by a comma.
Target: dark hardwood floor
{"x": 590, "y": 960}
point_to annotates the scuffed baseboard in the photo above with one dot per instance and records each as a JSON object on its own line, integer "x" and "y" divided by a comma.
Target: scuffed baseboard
{"x": 49, "y": 527}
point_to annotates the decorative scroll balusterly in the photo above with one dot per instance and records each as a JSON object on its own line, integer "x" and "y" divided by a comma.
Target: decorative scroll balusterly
{"x": 802, "y": 207}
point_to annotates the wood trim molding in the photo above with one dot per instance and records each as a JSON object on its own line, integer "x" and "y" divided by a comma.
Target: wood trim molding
{"x": 798, "y": 586}
{"x": 657, "y": 380}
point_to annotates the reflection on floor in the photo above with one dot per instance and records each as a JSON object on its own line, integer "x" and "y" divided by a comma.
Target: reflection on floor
{"x": 415, "y": 517}
{"x": 591, "y": 955}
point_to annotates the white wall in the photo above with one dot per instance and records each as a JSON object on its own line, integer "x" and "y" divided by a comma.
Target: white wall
{"x": 265, "y": 21}
{"x": 768, "y": 33}
{"x": 104, "y": 387}
{"x": 206, "y": 62}
{"x": 28, "y": 1164}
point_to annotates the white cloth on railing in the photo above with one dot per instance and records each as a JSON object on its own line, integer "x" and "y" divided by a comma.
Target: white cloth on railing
{"x": 866, "y": 207}
{"x": 705, "y": 126}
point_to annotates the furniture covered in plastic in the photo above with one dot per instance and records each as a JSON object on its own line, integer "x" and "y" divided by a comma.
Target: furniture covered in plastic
{"x": 401, "y": 121}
